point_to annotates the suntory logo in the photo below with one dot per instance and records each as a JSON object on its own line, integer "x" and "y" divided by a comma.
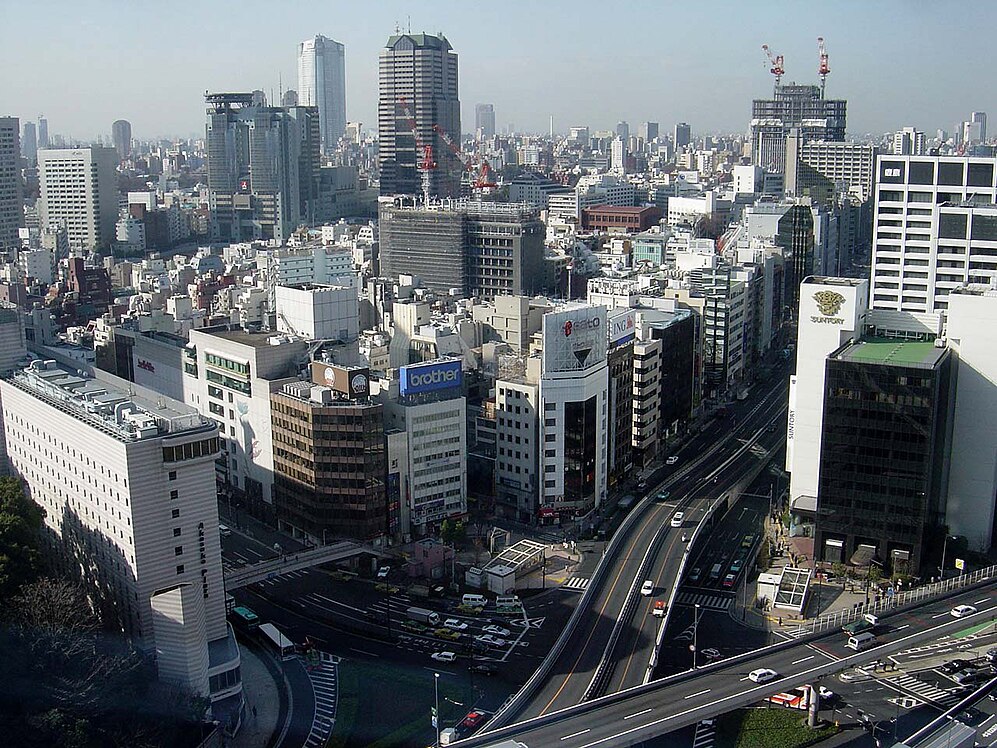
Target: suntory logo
{"x": 829, "y": 302}
{"x": 359, "y": 384}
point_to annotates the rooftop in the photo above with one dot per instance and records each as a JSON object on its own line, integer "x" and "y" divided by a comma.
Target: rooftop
{"x": 252, "y": 338}
{"x": 885, "y": 351}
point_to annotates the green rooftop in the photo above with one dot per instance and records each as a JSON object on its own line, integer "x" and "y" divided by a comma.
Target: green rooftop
{"x": 893, "y": 352}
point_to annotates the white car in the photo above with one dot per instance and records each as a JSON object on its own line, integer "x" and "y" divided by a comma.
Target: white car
{"x": 825, "y": 693}
{"x": 497, "y": 630}
{"x": 383, "y": 572}
{"x": 677, "y": 519}
{"x": 647, "y": 589}
{"x": 454, "y": 625}
{"x": 492, "y": 641}
{"x": 961, "y": 611}
{"x": 671, "y": 460}
{"x": 762, "y": 675}
{"x": 444, "y": 656}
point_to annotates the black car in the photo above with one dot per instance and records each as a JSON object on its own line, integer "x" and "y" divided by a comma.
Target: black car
{"x": 484, "y": 668}
{"x": 954, "y": 666}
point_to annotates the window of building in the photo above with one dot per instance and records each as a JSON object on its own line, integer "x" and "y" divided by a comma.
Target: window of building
{"x": 981, "y": 175}
{"x": 952, "y": 226}
{"x": 178, "y": 550}
{"x": 550, "y": 483}
{"x": 172, "y": 475}
{"x": 175, "y": 514}
{"x": 174, "y": 495}
{"x": 179, "y": 569}
{"x": 950, "y": 174}
{"x": 176, "y": 532}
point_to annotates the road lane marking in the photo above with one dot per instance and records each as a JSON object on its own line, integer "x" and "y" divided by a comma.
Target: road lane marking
{"x": 698, "y": 693}
{"x": 576, "y": 734}
{"x": 901, "y": 628}
{"x": 940, "y": 615}
{"x": 637, "y": 714}
{"x": 364, "y": 652}
{"x": 981, "y": 601}
{"x": 797, "y": 662}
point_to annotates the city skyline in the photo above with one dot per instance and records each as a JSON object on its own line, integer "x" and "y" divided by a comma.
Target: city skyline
{"x": 578, "y": 79}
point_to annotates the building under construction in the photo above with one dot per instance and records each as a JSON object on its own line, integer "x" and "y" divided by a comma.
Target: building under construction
{"x": 472, "y": 247}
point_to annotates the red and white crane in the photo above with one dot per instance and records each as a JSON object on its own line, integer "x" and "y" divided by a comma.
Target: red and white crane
{"x": 480, "y": 181}
{"x": 425, "y": 164}
{"x": 776, "y": 61}
{"x": 823, "y": 69}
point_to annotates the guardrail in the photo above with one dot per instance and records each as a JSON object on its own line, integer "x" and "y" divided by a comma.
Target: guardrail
{"x": 839, "y": 618}
{"x": 273, "y": 567}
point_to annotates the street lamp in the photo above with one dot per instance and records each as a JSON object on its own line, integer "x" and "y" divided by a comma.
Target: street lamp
{"x": 945, "y": 544}
{"x": 436, "y": 711}
{"x": 695, "y": 637}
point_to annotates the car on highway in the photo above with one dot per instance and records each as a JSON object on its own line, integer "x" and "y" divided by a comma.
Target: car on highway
{"x": 971, "y": 676}
{"x": 762, "y": 675}
{"x": 747, "y": 541}
{"x": 671, "y": 460}
{"x": 224, "y": 531}
{"x": 658, "y": 611}
{"x": 729, "y": 581}
{"x": 954, "y": 666}
{"x": 677, "y": 519}
{"x": 490, "y": 640}
{"x": 961, "y": 611}
{"x": 497, "y": 630}
{"x": 856, "y": 675}
{"x": 447, "y": 634}
{"x": 483, "y": 668}
{"x": 383, "y": 572}
{"x": 991, "y": 654}
{"x": 444, "y": 656}
{"x": 647, "y": 589}
{"x": 696, "y": 574}
{"x": 826, "y": 694}
{"x": 735, "y": 565}
{"x": 455, "y": 624}
{"x": 474, "y": 720}
{"x": 663, "y": 495}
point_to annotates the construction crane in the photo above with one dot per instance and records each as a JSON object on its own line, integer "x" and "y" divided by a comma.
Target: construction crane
{"x": 425, "y": 164}
{"x": 823, "y": 69}
{"x": 483, "y": 180}
{"x": 776, "y": 61}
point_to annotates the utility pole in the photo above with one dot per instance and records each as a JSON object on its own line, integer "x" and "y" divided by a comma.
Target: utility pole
{"x": 436, "y": 710}
{"x": 695, "y": 637}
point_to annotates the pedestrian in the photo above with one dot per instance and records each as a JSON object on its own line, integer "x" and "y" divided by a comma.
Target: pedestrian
{"x": 254, "y": 711}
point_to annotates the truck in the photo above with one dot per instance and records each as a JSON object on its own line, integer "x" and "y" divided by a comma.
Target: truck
{"x": 868, "y": 622}
{"x": 429, "y": 617}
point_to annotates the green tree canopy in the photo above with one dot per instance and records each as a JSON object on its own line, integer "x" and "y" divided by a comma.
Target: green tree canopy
{"x": 20, "y": 522}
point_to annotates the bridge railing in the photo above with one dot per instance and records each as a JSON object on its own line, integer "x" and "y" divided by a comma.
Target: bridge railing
{"x": 839, "y": 618}
{"x": 273, "y": 567}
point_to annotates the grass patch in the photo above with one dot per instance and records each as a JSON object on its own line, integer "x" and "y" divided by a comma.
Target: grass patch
{"x": 382, "y": 706}
{"x": 777, "y": 727}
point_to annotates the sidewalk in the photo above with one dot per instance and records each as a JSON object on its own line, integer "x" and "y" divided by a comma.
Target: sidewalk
{"x": 260, "y": 692}
{"x": 242, "y": 522}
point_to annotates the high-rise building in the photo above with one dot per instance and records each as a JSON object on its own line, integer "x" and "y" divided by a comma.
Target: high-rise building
{"x": 263, "y": 167}
{"x": 417, "y": 80}
{"x": 289, "y": 98}
{"x": 980, "y": 118}
{"x": 29, "y": 142}
{"x": 793, "y": 106}
{"x": 126, "y": 479}
{"x": 683, "y": 134}
{"x": 935, "y": 219}
{"x": 484, "y": 120}
{"x": 821, "y": 168}
{"x": 42, "y": 132}
{"x": 79, "y": 190}
{"x": 121, "y": 133}
{"x": 480, "y": 248}
{"x": 11, "y": 210}
{"x": 796, "y": 238}
{"x": 649, "y": 131}
{"x": 623, "y": 131}
{"x": 908, "y": 142}
{"x": 322, "y": 84}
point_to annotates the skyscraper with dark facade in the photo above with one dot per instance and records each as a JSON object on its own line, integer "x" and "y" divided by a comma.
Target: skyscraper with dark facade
{"x": 11, "y": 212}
{"x": 262, "y": 167}
{"x": 802, "y": 107}
{"x": 484, "y": 120}
{"x": 121, "y": 133}
{"x": 883, "y": 453}
{"x": 417, "y": 77}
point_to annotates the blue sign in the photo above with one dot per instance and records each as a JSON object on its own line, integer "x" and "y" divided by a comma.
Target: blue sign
{"x": 430, "y": 377}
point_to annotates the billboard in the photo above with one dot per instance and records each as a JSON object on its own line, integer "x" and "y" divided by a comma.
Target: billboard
{"x": 622, "y": 326}
{"x": 351, "y": 381}
{"x": 429, "y": 377}
{"x": 574, "y": 339}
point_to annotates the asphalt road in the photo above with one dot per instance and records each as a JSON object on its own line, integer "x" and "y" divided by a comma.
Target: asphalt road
{"x": 690, "y": 484}
{"x": 639, "y": 714}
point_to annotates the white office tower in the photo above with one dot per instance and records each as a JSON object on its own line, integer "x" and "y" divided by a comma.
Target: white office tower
{"x": 127, "y": 481}
{"x": 831, "y": 311}
{"x": 322, "y": 84}
{"x": 574, "y": 393}
{"x": 79, "y": 190}
{"x": 972, "y": 336}
{"x": 908, "y": 142}
{"x": 935, "y": 228}
{"x": 319, "y": 312}
{"x": 11, "y": 212}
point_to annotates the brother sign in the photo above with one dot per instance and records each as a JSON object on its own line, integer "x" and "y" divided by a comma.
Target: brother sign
{"x": 429, "y": 377}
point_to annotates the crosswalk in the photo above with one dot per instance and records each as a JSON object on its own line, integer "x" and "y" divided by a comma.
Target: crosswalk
{"x": 705, "y": 734}
{"x": 279, "y": 578}
{"x": 576, "y": 583}
{"x": 926, "y": 691}
{"x": 323, "y": 680}
{"x": 707, "y": 600}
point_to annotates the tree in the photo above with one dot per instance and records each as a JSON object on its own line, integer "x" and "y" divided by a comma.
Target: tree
{"x": 446, "y": 531}
{"x": 874, "y": 574}
{"x": 20, "y": 523}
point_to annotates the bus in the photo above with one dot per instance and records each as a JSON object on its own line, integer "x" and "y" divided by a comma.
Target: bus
{"x": 272, "y": 637}
{"x": 244, "y": 619}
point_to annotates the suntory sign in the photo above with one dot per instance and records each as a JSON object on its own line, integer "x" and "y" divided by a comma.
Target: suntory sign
{"x": 354, "y": 382}
{"x": 828, "y": 304}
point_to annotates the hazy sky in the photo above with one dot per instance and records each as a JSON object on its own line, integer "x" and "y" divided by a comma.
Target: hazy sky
{"x": 85, "y": 63}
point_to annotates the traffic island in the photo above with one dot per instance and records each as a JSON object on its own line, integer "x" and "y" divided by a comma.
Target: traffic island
{"x": 769, "y": 728}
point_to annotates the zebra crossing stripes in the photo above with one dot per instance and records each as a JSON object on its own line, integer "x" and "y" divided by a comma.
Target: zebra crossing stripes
{"x": 705, "y": 734}
{"x": 324, "y": 685}
{"x": 704, "y": 600}
{"x": 576, "y": 583}
{"x": 925, "y": 691}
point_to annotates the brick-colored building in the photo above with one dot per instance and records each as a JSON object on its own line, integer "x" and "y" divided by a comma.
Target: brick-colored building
{"x": 620, "y": 218}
